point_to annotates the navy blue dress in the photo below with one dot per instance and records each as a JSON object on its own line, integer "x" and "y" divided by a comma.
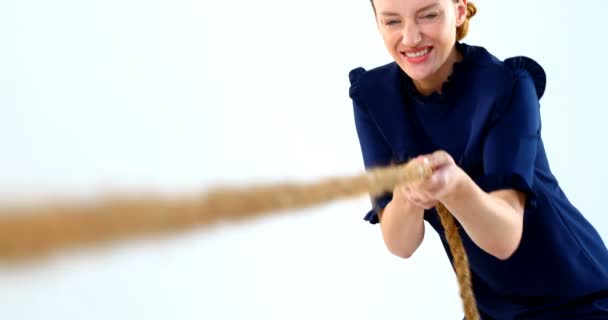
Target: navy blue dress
{"x": 488, "y": 119}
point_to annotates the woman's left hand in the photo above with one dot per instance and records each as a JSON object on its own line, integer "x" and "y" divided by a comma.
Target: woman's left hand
{"x": 446, "y": 177}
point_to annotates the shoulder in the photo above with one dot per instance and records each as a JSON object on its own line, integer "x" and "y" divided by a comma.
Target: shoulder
{"x": 510, "y": 71}
{"x": 527, "y": 69}
{"x": 363, "y": 82}
{"x": 356, "y": 75}
{"x": 380, "y": 85}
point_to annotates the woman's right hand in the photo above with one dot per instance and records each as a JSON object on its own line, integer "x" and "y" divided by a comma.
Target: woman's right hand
{"x": 409, "y": 192}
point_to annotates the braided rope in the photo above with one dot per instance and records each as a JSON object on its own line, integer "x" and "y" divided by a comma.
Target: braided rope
{"x": 461, "y": 262}
{"x": 41, "y": 229}
{"x": 36, "y": 231}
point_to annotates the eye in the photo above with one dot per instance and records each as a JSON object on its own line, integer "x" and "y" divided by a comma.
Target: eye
{"x": 392, "y": 22}
{"x": 430, "y": 16}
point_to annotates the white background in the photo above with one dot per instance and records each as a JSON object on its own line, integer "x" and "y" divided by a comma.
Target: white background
{"x": 178, "y": 95}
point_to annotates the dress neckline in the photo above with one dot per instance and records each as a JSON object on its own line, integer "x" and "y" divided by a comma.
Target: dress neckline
{"x": 449, "y": 87}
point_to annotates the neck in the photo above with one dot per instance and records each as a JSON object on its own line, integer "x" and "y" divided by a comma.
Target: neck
{"x": 435, "y": 82}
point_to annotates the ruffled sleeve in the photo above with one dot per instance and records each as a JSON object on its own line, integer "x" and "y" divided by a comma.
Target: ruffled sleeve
{"x": 376, "y": 151}
{"x": 535, "y": 70}
{"x": 510, "y": 146}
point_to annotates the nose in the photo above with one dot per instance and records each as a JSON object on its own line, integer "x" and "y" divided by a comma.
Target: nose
{"x": 411, "y": 35}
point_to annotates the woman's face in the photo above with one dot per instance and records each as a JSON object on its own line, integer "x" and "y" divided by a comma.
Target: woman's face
{"x": 419, "y": 34}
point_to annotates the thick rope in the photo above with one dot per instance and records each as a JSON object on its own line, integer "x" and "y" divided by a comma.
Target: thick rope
{"x": 40, "y": 230}
{"x": 461, "y": 262}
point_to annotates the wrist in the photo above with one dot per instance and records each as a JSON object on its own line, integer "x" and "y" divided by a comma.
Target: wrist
{"x": 460, "y": 189}
{"x": 403, "y": 206}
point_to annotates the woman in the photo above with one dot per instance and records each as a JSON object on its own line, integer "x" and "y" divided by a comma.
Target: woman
{"x": 475, "y": 120}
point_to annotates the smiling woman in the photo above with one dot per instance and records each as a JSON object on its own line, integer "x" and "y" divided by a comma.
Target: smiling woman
{"x": 174, "y": 95}
{"x": 475, "y": 120}
{"x": 403, "y": 39}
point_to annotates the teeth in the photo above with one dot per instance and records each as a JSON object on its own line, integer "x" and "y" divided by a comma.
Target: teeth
{"x": 417, "y": 54}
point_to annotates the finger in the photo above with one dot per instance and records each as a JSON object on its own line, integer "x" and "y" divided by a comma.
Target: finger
{"x": 410, "y": 195}
{"x": 421, "y": 197}
{"x": 430, "y": 185}
{"x": 425, "y": 204}
{"x": 429, "y": 204}
{"x": 434, "y": 185}
{"x": 417, "y": 203}
{"x": 423, "y": 158}
{"x": 402, "y": 191}
{"x": 428, "y": 196}
{"x": 439, "y": 159}
{"x": 406, "y": 189}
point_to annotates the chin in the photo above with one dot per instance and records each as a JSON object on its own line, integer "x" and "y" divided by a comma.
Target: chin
{"x": 419, "y": 76}
{"x": 416, "y": 73}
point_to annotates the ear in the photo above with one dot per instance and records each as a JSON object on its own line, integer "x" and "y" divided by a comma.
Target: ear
{"x": 461, "y": 12}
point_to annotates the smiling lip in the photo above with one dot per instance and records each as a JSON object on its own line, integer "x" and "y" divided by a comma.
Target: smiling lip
{"x": 417, "y": 56}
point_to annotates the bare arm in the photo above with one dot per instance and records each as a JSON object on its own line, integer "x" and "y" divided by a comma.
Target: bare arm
{"x": 494, "y": 221}
{"x": 402, "y": 226}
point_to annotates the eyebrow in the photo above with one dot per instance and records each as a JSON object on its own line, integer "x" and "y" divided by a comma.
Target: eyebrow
{"x": 390, "y": 13}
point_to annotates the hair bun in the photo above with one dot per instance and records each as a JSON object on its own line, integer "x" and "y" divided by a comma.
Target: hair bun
{"x": 471, "y": 10}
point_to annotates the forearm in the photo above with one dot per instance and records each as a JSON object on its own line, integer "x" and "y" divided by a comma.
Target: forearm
{"x": 490, "y": 221}
{"x": 402, "y": 225}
